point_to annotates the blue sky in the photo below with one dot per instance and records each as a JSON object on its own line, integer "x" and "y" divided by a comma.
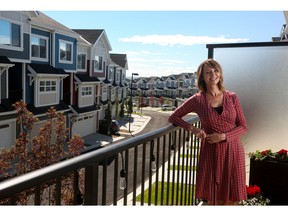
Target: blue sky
{"x": 160, "y": 43}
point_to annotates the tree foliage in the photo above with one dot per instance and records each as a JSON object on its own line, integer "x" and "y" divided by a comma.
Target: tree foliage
{"x": 50, "y": 146}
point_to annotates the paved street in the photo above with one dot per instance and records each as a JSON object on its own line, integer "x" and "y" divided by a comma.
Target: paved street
{"x": 155, "y": 117}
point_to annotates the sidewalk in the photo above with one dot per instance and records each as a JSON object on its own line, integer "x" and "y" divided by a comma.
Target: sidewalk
{"x": 138, "y": 122}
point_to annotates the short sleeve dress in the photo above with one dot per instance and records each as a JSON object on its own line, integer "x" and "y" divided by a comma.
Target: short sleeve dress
{"x": 221, "y": 168}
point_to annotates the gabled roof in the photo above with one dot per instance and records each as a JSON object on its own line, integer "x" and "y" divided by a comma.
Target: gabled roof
{"x": 119, "y": 59}
{"x": 90, "y": 109}
{"x": 45, "y": 69}
{"x": 87, "y": 78}
{"x": 40, "y": 19}
{"x": 4, "y": 60}
{"x": 61, "y": 107}
{"x": 93, "y": 35}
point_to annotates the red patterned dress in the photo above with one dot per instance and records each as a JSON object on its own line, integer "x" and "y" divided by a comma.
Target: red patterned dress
{"x": 221, "y": 167}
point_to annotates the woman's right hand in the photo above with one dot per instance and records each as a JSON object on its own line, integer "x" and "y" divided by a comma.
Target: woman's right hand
{"x": 198, "y": 132}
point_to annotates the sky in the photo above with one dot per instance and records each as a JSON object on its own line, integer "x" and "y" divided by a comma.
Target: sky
{"x": 161, "y": 43}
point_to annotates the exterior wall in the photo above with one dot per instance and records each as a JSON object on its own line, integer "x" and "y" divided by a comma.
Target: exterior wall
{"x": 22, "y": 53}
{"x": 19, "y": 56}
{"x": 100, "y": 50}
{"x": 47, "y": 35}
{"x": 3, "y": 84}
{"x": 67, "y": 66}
{"x": 258, "y": 74}
{"x": 12, "y": 79}
{"x": 7, "y": 133}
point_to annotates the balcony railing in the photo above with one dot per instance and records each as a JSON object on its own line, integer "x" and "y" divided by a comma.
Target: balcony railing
{"x": 176, "y": 164}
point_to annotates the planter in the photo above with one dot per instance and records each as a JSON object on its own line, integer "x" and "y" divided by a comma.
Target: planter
{"x": 272, "y": 177}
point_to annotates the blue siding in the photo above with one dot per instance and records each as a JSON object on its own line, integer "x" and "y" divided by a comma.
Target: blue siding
{"x": 68, "y": 39}
{"x": 21, "y": 55}
{"x": 40, "y": 32}
{"x": 45, "y": 34}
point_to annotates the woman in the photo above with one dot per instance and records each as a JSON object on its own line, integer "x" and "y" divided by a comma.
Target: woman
{"x": 221, "y": 178}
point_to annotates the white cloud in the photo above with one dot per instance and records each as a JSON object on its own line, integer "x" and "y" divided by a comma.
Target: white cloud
{"x": 162, "y": 61}
{"x": 171, "y": 40}
{"x": 148, "y": 70}
{"x": 144, "y": 52}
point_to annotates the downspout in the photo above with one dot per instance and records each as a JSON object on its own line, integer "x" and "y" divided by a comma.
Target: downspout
{"x": 24, "y": 81}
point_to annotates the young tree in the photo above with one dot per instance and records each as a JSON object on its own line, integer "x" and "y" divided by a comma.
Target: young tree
{"x": 122, "y": 112}
{"x": 116, "y": 106}
{"x": 48, "y": 147}
{"x": 130, "y": 106}
{"x": 108, "y": 118}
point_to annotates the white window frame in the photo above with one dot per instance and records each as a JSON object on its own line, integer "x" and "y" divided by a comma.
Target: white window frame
{"x": 85, "y": 63}
{"x": 96, "y": 66}
{"x": 11, "y": 47}
{"x": 72, "y": 47}
{"x": 54, "y": 91}
{"x": 46, "y": 43}
{"x": 48, "y": 88}
{"x": 88, "y": 91}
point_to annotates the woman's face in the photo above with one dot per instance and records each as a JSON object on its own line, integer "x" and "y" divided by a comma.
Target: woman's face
{"x": 211, "y": 75}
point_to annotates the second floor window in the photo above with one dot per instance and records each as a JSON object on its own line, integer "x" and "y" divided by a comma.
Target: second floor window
{"x": 81, "y": 61}
{"x": 39, "y": 47}
{"x": 117, "y": 76}
{"x": 65, "y": 52}
{"x": 98, "y": 63}
{"x": 10, "y": 34}
{"x": 110, "y": 75}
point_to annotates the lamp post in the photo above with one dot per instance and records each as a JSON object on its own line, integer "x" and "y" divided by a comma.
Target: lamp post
{"x": 130, "y": 111}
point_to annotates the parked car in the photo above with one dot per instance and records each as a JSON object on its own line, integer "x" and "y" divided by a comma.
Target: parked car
{"x": 166, "y": 107}
{"x": 115, "y": 127}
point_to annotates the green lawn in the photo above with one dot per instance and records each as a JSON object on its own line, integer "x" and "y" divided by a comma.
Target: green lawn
{"x": 184, "y": 168}
{"x": 181, "y": 199}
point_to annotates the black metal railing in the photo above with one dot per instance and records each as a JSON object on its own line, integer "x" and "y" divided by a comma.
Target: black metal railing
{"x": 171, "y": 183}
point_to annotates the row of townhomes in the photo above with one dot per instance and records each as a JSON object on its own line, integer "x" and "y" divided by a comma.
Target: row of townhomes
{"x": 45, "y": 63}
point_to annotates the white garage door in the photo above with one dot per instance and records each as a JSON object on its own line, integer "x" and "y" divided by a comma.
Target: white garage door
{"x": 7, "y": 133}
{"x": 84, "y": 125}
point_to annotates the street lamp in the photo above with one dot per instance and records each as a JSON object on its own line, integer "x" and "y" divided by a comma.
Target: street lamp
{"x": 130, "y": 111}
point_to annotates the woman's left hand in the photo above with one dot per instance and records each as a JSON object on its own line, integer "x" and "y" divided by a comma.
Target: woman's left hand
{"x": 215, "y": 138}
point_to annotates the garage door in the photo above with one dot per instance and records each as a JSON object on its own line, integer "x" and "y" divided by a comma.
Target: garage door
{"x": 37, "y": 127}
{"x": 7, "y": 133}
{"x": 84, "y": 125}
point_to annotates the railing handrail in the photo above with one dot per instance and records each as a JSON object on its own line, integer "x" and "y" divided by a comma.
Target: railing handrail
{"x": 28, "y": 180}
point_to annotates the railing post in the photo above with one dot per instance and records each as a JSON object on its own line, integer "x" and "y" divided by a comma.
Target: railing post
{"x": 91, "y": 185}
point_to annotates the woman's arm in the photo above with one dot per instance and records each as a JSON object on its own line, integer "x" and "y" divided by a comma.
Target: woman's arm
{"x": 241, "y": 125}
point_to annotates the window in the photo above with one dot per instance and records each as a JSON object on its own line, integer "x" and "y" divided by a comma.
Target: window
{"x": 10, "y": 34}
{"x": 81, "y": 61}
{"x": 47, "y": 86}
{"x": 117, "y": 76}
{"x": 123, "y": 77}
{"x": 65, "y": 52}
{"x": 39, "y": 47}
{"x": 110, "y": 75}
{"x": 87, "y": 91}
{"x": 98, "y": 63}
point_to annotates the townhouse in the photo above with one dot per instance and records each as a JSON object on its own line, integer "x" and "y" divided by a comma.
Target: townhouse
{"x": 154, "y": 91}
{"x": 46, "y": 64}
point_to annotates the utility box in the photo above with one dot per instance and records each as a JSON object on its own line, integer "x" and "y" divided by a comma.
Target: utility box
{"x": 103, "y": 127}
